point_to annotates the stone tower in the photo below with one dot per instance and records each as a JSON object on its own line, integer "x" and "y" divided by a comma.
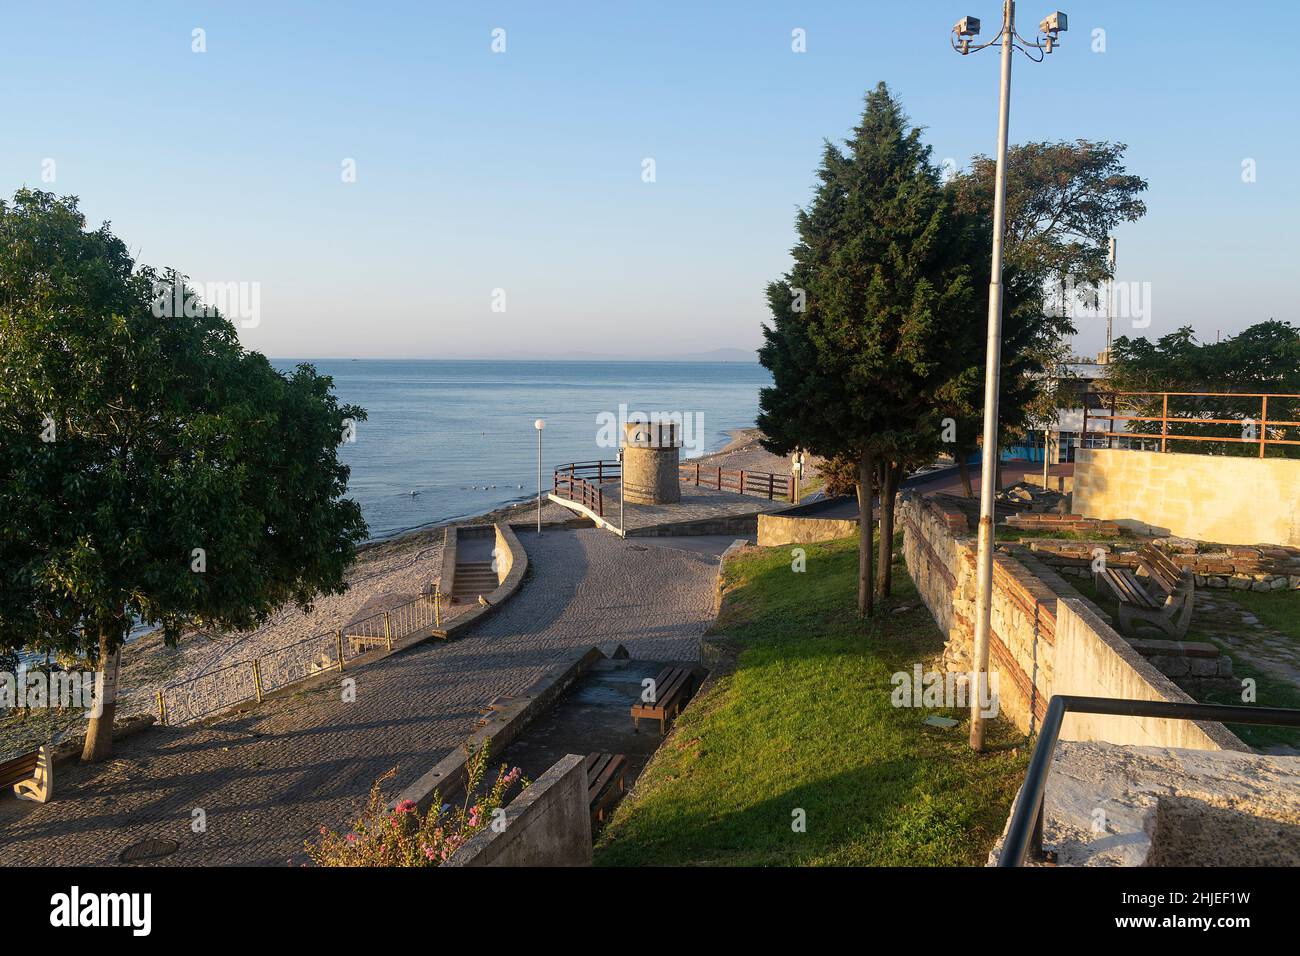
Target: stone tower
{"x": 651, "y": 458}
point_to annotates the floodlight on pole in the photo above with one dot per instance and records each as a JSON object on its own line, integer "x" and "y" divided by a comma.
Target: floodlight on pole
{"x": 1007, "y": 38}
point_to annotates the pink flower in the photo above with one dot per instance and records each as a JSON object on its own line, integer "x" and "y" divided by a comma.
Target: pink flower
{"x": 351, "y": 838}
{"x": 430, "y": 853}
{"x": 406, "y": 806}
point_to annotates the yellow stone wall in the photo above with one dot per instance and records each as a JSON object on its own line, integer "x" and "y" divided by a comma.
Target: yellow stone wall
{"x": 1208, "y": 497}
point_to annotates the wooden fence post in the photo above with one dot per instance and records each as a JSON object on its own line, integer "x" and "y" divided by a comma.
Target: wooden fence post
{"x": 162, "y": 710}
{"x": 338, "y": 643}
{"x": 257, "y": 680}
{"x": 388, "y": 630}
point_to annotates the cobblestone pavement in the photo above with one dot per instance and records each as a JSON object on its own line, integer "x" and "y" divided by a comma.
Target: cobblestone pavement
{"x": 267, "y": 780}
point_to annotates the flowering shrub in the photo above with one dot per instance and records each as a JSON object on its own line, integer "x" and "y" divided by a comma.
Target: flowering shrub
{"x": 402, "y": 837}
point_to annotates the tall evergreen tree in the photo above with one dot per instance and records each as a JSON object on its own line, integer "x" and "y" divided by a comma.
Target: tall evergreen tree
{"x": 869, "y": 325}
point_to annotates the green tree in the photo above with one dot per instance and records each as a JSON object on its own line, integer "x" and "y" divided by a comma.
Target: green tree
{"x": 151, "y": 470}
{"x": 1262, "y": 359}
{"x": 867, "y": 325}
{"x": 1064, "y": 201}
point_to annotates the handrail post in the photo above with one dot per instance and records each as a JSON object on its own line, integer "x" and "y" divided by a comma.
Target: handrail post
{"x": 388, "y": 630}
{"x": 742, "y": 481}
{"x": 257, "y": 680}
{"x": 1164, "y": 424}
{"x": 1263, "y": 425}
{"x": 338, "y": 646}
{"x": 162, "y": 710}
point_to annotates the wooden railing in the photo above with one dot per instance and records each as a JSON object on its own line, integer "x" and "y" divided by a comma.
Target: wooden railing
{"x": 582, "y": 482}
{"x": 761, "y": 483}
{"x": 1195, "y": 415}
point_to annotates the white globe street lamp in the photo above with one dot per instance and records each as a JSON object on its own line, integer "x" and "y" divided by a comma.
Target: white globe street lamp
{"x": 539, "y": 425}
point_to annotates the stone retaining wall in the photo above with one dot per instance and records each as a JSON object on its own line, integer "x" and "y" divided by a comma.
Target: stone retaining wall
{"x": 1239, "y": 567}
{"x": 549, "y": 824}
{"x": 940, "y": 553}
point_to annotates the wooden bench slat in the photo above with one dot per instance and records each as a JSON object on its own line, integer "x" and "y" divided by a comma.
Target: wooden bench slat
{"x": 19, "y": 768}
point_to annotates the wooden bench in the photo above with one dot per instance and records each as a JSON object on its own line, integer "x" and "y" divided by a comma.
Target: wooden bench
{"x": 671, "y": 688}
{"x": 31, "y": 775}
{"x": 605, "y": 782}
{"x": 1163, "y": 599}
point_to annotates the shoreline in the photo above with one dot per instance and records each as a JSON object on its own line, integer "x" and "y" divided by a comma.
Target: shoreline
{"x": 404, "y": 562}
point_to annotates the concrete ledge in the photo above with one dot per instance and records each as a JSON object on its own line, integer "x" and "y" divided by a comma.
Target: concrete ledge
{"x": 447, "y": 574}
{"x": 1111, "y": 805}
{"x": 517, "y": 560}
{"x": 549, "y": 824}
{"x": 1093, "y": 660}
{"x": 510, "y": 719}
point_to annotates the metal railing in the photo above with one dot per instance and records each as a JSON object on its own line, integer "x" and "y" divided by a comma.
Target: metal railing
{"x": 1025, "y": 832}
{"x": 761, "y": 483}
{"x": 1200, "y": 416}
{"x": 253, "y": 678}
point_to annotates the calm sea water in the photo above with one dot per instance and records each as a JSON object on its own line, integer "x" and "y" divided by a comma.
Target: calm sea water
{"x": 460, "y": 433}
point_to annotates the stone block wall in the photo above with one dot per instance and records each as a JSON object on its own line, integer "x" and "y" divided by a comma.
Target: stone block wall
{"x": 1209, "y": 497}
{"x": 940, "y": 553}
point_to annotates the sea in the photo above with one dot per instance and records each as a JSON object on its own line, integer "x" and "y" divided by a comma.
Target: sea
{"x": 447, "y": 439}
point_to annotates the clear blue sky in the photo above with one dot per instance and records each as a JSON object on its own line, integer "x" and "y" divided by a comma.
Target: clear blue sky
{"x": 522, "y": 170}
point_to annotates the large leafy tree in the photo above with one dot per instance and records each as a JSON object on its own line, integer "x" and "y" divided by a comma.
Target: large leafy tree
{"x": 1262, "y": 359}
{"x": 867, "y": 326}
{"x": 1064, "y": 201}
{"x": 151, "y": 470}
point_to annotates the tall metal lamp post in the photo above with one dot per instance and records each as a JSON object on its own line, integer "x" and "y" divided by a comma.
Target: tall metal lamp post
{"x": 1049, "y": 30}
{"x": 539, "y": 425}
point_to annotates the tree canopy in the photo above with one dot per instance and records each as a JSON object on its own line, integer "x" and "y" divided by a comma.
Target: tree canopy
{"x": 1264, "y": 358}
{"x": 151, "y": 469}
{"x": 869, "y": 324}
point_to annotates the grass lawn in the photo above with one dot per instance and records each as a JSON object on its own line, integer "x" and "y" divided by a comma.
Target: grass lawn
{"x": 806, "y": 723}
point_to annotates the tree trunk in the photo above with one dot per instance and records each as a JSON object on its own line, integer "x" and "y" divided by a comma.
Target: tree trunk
{"x": 963, "y": 469}
{"x": 884, "y": 545}
{"x": 866, "y": 476}
{"x": 888, "y": 492}
{"x": 99, "y": 734}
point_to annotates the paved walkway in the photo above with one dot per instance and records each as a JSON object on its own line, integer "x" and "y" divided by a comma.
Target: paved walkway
{"x": 268, "y": 780}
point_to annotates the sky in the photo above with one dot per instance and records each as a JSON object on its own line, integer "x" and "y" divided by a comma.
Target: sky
{"x": 500, "y": 203}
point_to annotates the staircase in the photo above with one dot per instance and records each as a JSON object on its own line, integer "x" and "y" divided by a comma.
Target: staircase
{"x": 472, "y": 579}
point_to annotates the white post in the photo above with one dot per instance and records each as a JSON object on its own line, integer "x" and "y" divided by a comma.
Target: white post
{"x": 622, "y": 526}
{"x": 539, "y": 425}
{"x": 993, "y": 362}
